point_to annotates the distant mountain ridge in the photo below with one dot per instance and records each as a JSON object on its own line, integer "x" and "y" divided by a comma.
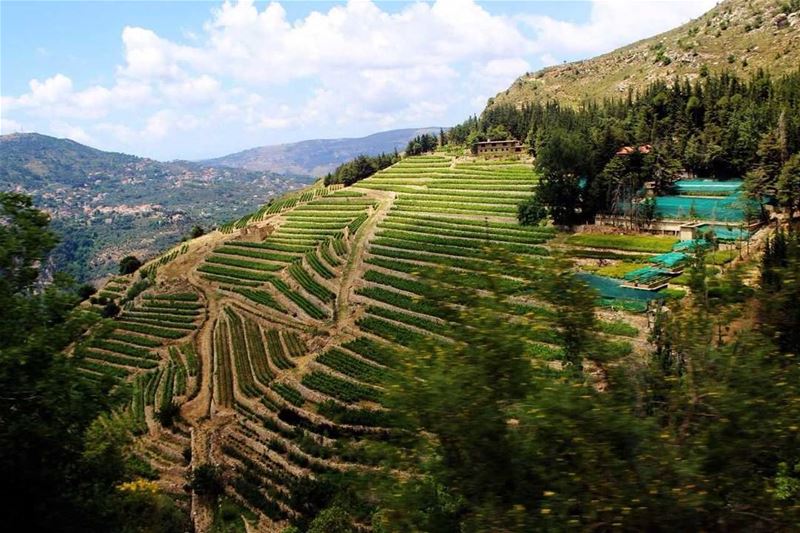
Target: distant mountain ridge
{"x": 739, "y": 36}
{"x": 317, "y": 157}
{"x": 106, "y": 205}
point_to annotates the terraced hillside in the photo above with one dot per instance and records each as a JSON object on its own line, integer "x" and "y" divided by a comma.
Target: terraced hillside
{"x": 276, "y": 336}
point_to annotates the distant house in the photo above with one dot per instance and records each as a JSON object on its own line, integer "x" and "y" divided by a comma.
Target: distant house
{"x": 498, "y": 148}
{"x": 628, "y": 150}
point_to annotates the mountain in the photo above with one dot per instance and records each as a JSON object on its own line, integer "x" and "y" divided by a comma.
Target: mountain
{"x": 318, "y": 156}
{"x": 106, "y": 205}
{"x": 737, "y": 35}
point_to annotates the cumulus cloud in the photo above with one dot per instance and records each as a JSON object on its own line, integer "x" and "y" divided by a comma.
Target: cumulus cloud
{"x": 611, "y": 24}
{"x": 250, "y": 71}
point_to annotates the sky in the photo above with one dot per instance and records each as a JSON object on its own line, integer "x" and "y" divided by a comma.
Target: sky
{"x": 194, "y": 80}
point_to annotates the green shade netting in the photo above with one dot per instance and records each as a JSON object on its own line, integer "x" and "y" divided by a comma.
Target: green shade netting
{"x": 709, "y": 186}
{"x": 690, "y": 245}
{"x": 669, "y": 259}
{"x": 644, "y": 274}
{"x": 724, "y": 209}
{"x": 727, "y": 234}
{"x": 612, "y": 289}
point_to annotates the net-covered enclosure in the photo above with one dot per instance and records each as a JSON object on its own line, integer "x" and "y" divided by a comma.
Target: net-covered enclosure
{"x": 724, "y": 233}
{"x": 724, "y": 209}
{"x": 646, "y": 275}
{"x": 612, "y": 289}
{"x": 690, "y": 245}
{"x": 669, "y": 259}
{"x": 709, "y": 187}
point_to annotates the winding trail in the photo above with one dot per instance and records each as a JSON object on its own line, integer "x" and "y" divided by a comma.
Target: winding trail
{"x": 354, "y": 268}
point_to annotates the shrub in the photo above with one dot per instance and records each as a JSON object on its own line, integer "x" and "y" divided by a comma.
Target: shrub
{"x": 167, "y": 415}
{"x": 129, "y": 265}
{"x": 85, "y": 291}
{"x": 110, "y": 310}
{"x": 531, "y": 212}
{"x": 206, "y": 480}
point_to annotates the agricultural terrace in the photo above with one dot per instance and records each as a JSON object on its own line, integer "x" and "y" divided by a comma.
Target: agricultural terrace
{"x": 308, "y": 306}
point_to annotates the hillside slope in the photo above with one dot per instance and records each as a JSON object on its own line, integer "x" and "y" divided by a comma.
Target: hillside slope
{"x": 318, "y": 156}
{"x": 737, "y": 35}
{"x": 106, "y": 205}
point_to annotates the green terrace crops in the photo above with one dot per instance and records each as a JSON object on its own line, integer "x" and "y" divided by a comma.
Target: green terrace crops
{"x": 465, "y": 189}
{"x": 310, "y": 307}
{"x": 148, "y": 346}
{"x": 294, "y": 269}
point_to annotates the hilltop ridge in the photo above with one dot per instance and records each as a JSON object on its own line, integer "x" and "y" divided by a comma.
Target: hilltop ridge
{"x": 316, "y": 157}
{"x": 737, "y": 36}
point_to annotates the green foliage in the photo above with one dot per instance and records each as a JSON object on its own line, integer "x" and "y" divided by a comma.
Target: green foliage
{"x": 698, "y": 433}
{"x": 359, "y": 168}
{"x": 206, "y": 480}
{"x": 168, "y": 413}
{"x": 531, "y": 212}
{"x": 129, "y": 264}
{"x": 196, "y": 231}
{"x": 85, "y": 291}
{"x": 421, "y": 144}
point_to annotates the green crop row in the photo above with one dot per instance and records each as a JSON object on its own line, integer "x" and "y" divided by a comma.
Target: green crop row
{"x": 258, "y": 354}
{"x": 299, "y": 274}
{"x": 241, "y": 263}
{"x": 235, "y": 273}
{"x": 368, "y": 349}
{"x": 340, "y": 389}
{"x": 309, "y": 308}
{"x": 405, "y": 318}
{"x": 125, "y": 349}
{"x": 158, "y": 315}
{"x": 390, "y": 331}
{"x": 402, "y": 301}
{"x": 294, "y": 343}
{"x": 121, "y": 360}
{"x": 241, "y": 357}
{"x": 260, "y": 297}
{"x": 487, "y": 235}
{"x": 192, "y": 362}
{"x": 633, "y": 243}
{"x": 159, "y": 323}
{"x": 317, "y": 266}
{"x": 134, "y": 339}
{"x": 350, "y": 366}
{"x": 151, "y": 330}
{"x": 223, "y": 365}
{"x": 403, "y": 284}
{"x": 267, "y": 245}
{"x": 276, "y": 352}
{"x": 230, "y": 281}
{"x": 255, "y": 254}
{"x": 289, "y": 393}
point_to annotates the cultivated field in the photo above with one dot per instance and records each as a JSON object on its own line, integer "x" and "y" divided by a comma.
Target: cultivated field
{"x": 276, "y": 335}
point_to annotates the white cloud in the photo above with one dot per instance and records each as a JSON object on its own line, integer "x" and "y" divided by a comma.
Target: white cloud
{"x": 8, "y": 125}
{"x": 611, "y": 24}
{"x": 354, "y": 67}
{"x": 71, "y": 131}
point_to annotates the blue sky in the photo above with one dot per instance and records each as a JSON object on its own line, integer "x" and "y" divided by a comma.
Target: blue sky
{"x": 200, "y": 79}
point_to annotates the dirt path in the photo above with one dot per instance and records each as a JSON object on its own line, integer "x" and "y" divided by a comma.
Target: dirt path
{"x": 354, "y": 268}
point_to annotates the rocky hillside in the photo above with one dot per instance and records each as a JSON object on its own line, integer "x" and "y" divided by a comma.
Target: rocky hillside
{"x": 317, "y": 157}
{"x": 106, "y": 205}
{"x": 737, "y": 35}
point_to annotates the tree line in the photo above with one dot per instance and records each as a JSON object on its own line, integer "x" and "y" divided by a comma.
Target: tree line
{"x": 359, "y": 168}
